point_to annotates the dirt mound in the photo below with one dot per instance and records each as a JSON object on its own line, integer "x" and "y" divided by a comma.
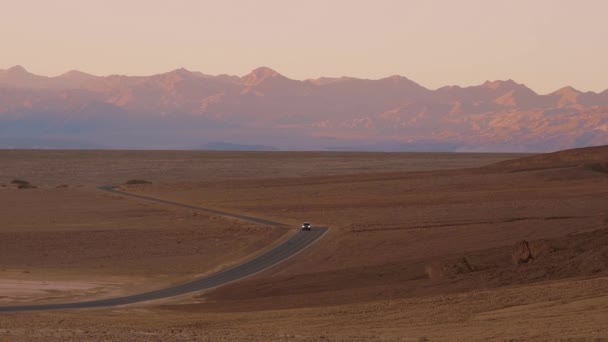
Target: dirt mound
{"x": 592, "y": 158}
{"x": 448, "y": 268}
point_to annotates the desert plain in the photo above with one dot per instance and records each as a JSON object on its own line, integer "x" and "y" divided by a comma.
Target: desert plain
{"x": 421, "y": 246}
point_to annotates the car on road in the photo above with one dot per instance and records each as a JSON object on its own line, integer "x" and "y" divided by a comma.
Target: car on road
{"x": 306, "y": 226}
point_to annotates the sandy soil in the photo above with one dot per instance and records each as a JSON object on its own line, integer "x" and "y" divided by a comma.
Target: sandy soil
{"x": 18, "y": 287}
{"x": 392, "y": 218}
{"x": 93, "y": 168}
{"x": 568, "y": 310}
{"x": 387, "y": 227}
{"x": 110, "y": 245}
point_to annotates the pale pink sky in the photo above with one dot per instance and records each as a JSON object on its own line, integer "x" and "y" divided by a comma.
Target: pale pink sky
{"x": 545, "y": 44}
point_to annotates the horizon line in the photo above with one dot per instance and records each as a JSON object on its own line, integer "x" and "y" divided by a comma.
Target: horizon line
{"x": 20, "y": 67}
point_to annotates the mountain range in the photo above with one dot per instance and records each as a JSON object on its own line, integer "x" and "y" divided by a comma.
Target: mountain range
{"x": 183, "y": 109}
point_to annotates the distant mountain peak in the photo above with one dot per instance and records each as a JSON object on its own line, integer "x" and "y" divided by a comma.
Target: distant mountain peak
{"x": 501, "y": 84}
{"x": 17, "y": 69}
{"x": 397, "y": 78}
{"x": 400, "y": 80}
{"x": 75, "y": 74}
{"x": 181, "y": 74}
{"x": 18, "y": 76}
{"x": 567, "y": 91}
{"x": 260, "y": 75}
{"x": 181, "y": 71}
{"x": 264, "y": 71}
{"x": 567, "y": 96}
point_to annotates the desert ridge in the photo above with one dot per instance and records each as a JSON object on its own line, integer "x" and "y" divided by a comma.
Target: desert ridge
{"x": 183, "y": 109}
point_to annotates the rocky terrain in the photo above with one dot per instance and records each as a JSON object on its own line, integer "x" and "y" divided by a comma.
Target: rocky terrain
{"x": 266, "y": 110}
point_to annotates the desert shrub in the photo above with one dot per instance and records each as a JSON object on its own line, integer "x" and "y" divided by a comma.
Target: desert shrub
{"x": 62, "y": 186}
{"x": 137, "y": 181}
{"x": 26, "y": 186}
{"x": 19, "y": 181}
{"x": 598, "y": 167}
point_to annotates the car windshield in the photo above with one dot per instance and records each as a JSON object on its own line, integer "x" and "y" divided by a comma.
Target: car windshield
{"x": 306, "y": 224}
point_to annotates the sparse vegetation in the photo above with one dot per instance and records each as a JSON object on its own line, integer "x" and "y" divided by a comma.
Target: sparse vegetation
{"x": 598, "y": 167}
{"x": 22, "y": 184}
{"x": 137, "y": 181}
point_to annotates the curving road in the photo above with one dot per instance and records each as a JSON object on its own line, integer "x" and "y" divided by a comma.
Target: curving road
{"x": 282, "y": 252}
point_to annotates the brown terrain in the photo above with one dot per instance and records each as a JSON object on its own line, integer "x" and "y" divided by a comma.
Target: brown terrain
{"x": 421, "y": 246}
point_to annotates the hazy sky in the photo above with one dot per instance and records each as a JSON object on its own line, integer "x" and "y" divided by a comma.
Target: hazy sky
{"x": 544, "y": 44}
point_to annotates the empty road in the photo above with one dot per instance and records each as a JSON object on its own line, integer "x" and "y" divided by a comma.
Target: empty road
{"x": 287, "y": 249}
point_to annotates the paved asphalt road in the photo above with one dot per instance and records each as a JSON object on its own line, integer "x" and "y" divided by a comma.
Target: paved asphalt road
{"x": 289, "y": 248}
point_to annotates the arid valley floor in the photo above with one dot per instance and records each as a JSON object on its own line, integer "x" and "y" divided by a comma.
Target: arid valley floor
{"x": 421, "y": 246}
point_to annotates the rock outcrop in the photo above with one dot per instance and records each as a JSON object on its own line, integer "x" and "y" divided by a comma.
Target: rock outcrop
{"x": 448, "y": 268}
{"x": 524, "y": 252}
